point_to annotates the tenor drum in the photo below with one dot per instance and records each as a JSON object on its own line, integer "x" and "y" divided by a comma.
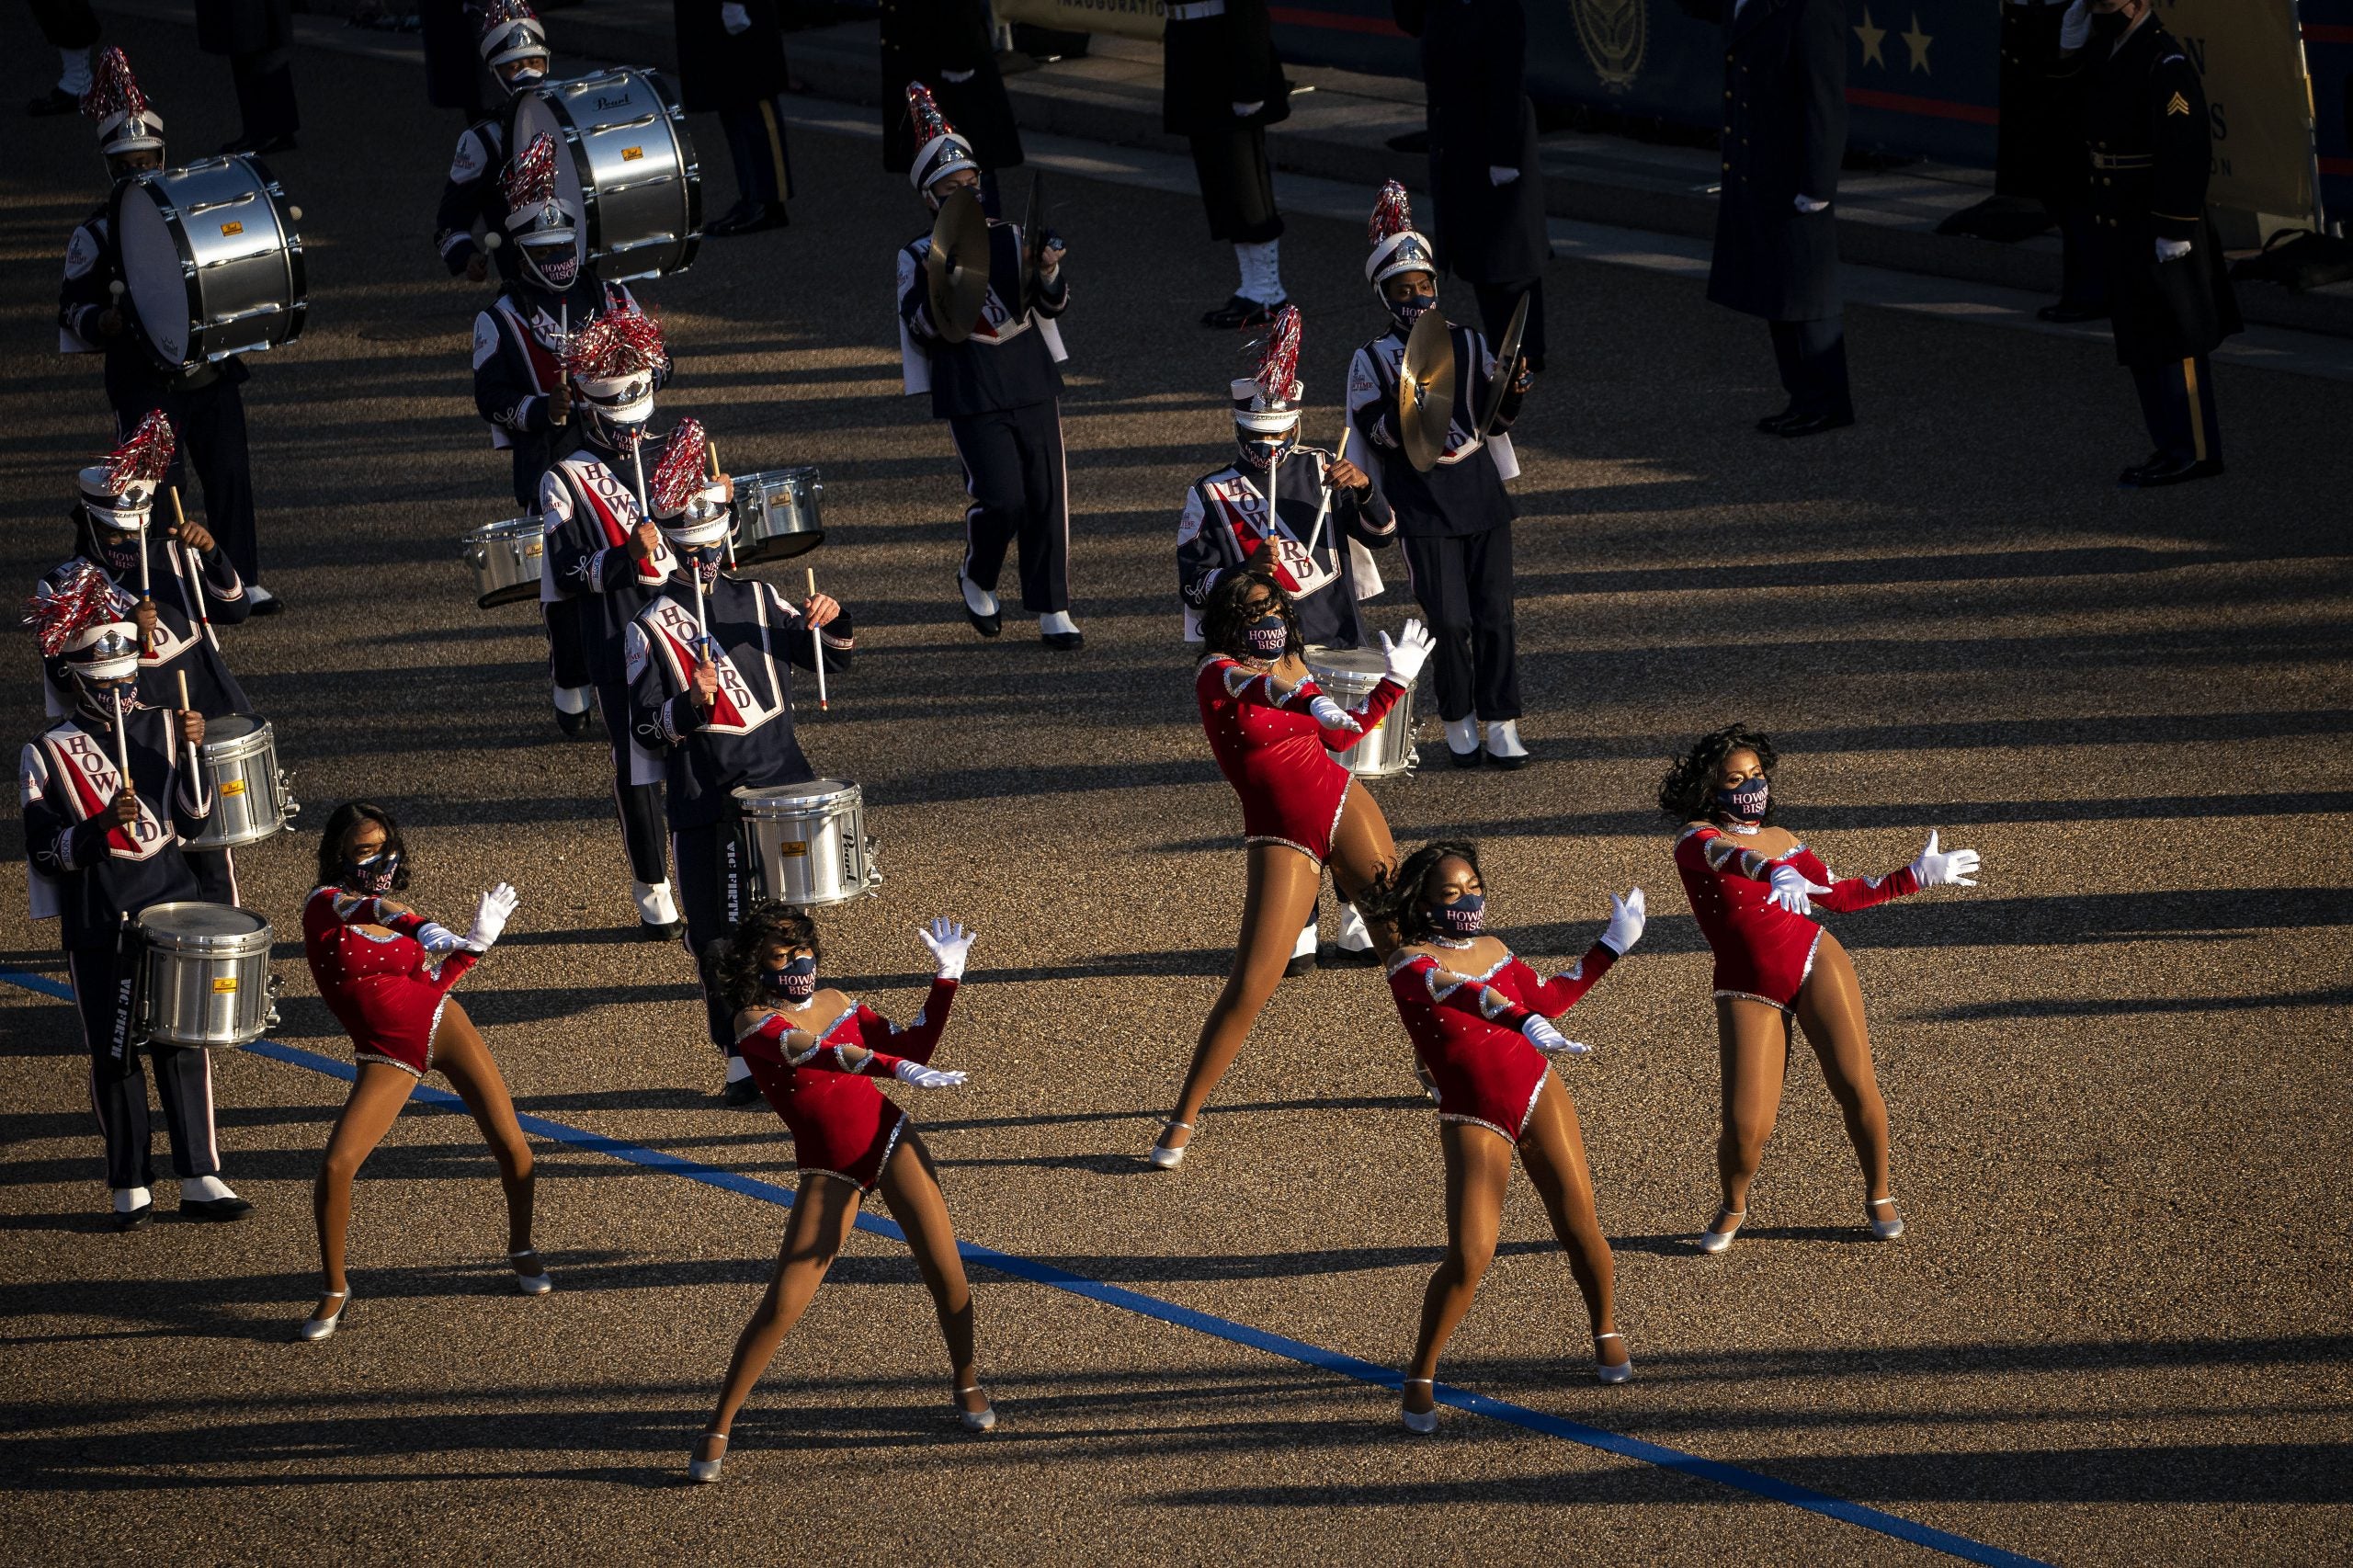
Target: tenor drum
{"x": 809, "y": 843}
{"x": 505, "y": 561}
{"x": 205, "y": 969}
{"x": 775, "y": 514}
{"x": 251, "y": 799}
{"x": 626, "y": 164}
{"x": 1347, "y": 677}
{"x": 210, "y": 260}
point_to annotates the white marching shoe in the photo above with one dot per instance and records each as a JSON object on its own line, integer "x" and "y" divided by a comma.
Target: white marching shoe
{"x": 979, "y": 1420}
{"x": 1885, "y": 1230}
{"x": 1164, "y": 1158}
{"x": 1622, "y": 1372}
{"x": 315, "y": 1329}
{"x": 703, "y": 1472}
{"x": 538, "y": 1284}
{"x": 656, "y": 908}
{"x": 1422, "y": 1421}
{"x": 1715, "y": 1239}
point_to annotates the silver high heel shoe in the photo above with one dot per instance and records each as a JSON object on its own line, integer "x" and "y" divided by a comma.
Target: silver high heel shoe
{"x": 1162, "y": 1157}
{"x": 538, "y": 1284}
{"x": 1422, "y": 1421}
{"x": 1885, "y": 1230}
{"x": 706, "y": 1470}
{"x": 1712, "y": 1240}
{"x": 976, "y": 1420}
{"x": 313, "y": 1330}
{"x": 1620, "y": 1373}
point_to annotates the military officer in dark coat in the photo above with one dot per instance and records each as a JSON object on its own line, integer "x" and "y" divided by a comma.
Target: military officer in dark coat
{"x": 2170, "y": 304}
{"x": 944, "y": 44}
{"x": 731, "y": 59}
{"x": 1221, "y": 85}
{"x": 258, "y": 36}
{"x": 1484, "y": 178}
{"x": 1776, "y": 240}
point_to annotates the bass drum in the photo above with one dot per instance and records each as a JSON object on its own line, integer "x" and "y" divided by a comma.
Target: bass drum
{"x": 211, "y": 263}
{"x": 625, "y": 163}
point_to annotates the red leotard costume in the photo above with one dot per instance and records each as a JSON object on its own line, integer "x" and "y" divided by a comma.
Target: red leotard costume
{"x": 1277, "y": 754}
{"x": 842, "y": 1125}
{"x": 1466, "y": 1030}
{"x": 1763, "y": 951}
{"x": 387, "y": 991}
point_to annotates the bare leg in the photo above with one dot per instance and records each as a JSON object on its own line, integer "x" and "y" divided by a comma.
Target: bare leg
{"x": 814, "y": 1233}
{"x": 1830, "y": 1010}
{"x": 1362, "y": 852}
{"x": 911, "y": 1192}
{"x": 1283, "y": 885}
{"x": 1552, "y": 1148}
{"x": 374, "y": 1104}
{"x": 1752, "y": 1045}
{"x": 463, "y": 1059}
{"x": 1478, "y": 1164}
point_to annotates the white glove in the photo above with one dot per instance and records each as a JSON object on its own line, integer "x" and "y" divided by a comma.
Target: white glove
{"x": 437, "y": 938}
{"x": 1627, "y": 917}
{"x": 1549, "y": 1041}
{"x": 2171, "y": 250}
{"x": 948, "y": 943}
{"x": 957, "y": 77}
{"x": 1244, "y": 111}
{"x": 1953, "y": 867}
{"x": 2076, "y": 27}
{"x": 734, "y": 18}
{"x": 1793, "y": 890}
{"x": 1408, "y": 653}
{"x": 1328, "y": 713}
{"x": 924, "y": 1077}
{"x": 1498, "y": 175}
{"x": 1808, "y": 204}
{"x": 489, "y": 917}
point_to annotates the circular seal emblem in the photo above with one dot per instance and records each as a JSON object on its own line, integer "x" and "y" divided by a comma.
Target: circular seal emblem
{"x": 1614, "y": 33}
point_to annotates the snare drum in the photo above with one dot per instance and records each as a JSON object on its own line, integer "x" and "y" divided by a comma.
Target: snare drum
{"x": 250, "y": 797}
{"x": 775, "y": 514}
{"x": 626, "y": 164}
{"x": 205, "y": 974}
{"x": 505, "y": 561}
{"x": 809, "y": 842}
{"x": 1347, "y": 677}
{"x": 210, "y": 260}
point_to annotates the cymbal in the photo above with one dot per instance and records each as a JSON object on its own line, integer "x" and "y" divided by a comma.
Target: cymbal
{"x": 1426, "y": 390}
{"x": 1507, "y": 368}
{"x": 1033, "y": 236}
{"x": 956, "y": 268}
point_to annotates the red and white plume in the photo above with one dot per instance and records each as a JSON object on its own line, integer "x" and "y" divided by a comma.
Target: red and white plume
{"x": 923, "y": 110}
{"x": 114, "y": 92}
{"x": 147, "y": 456}
{"x": 498, "y": 13}
{"x": 679, "y": 476}
{"x": 1277, "y": 372}
{"x": 618, "y": 343}
{"x": 529, "y": 178}
{"x": 1392, "y": 214}
{"x": 61, "y": 612}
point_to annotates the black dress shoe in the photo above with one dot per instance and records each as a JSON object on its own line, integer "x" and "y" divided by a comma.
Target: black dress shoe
{"x": 2066, "y": 314}
{"x": 1771, "y": 423}
{"x": 741, "y": 1093}
{"x": 570, "y": 723}
{"x": 1300, "y": 963}
{"x": 2172, "y": 471}
{"x": 1063, "y": 642}
{"x": 269, "y": 604}
{"x": 749, "y": 219}
{"x": 1812, "y": 424}
{"x": 135, "y": 1219}
{"x": 1509, "y": 763}
{"x": 215, "y": 1210}
{"x": 986, "y": 625}
{"x": 661, "y": 931}
{"x": 1470, "y": 759}
{"x": 1240, "y": 313}
{"x": 54, "y": 101}
{"x": 1347, "y": 958}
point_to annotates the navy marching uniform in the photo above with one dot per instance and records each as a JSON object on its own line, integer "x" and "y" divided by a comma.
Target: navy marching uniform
{"x": 1225, "y": 522}
{"x": 1777, "y": 234}
{"x": 731, "y": 60}
{"x": 513, "y": 47}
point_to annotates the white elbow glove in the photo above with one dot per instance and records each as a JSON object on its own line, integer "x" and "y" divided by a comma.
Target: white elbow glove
{"x": 924, "y": 1077}
{"x": 957, "y": 78}
{"x": 1328, "y": 713}
{"x": 1498, "y": 175}
{"x": 437, "y": 938}
{"x": 1406, "y": 655}
{"x": 1792, "y": 890}
{"x": 2076, "y": 27}
{"x": 1808, "y": 204}
{"x": 1549, "y": 1041}
{"x": 1952, "y": 868}
{"x": 1627, "y": 917}
{"x": 734, "y": 18}
{"x": 1244, "y": 111}
{"x": 489, "y": 917}
{"x": 948, "y": 943}
{"x": 2171, "y": 250}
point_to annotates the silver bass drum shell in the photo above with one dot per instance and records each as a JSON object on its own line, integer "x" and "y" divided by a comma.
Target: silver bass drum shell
{"x": 776, "y": 514}
{"x": 625, "y": 163}
{"x": 808, "y": 842}
{"x": 251, "y": 799}
{"x": 505, "y": 561}
{"x": 204, "y": 970}
{"x": 1347, "y": 677}
{"x": 211, "y": 262}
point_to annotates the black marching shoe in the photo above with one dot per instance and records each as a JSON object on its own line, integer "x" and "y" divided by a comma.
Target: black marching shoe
{"x": 1800, "y": 424}
{"x": 986, "y": 625}
{"x": 215, "y": 1210}
{"x": 739, "y": 1093}
{"x": 2067, "y": 313}
{"x": 1470, "y": 759}
{"x": 2162, "y": 471}
{"x": 570, "y": 723}
{"x": 748, "y": 218}
{"x": 263, "y": 601}
{"x": 1771, "y": 423}
{"x": 1300, "y": 963}
{"x": 1347, "y": 957}
{"x": 135, "y": 1219}
{"x": 1238, "y": 313}
{"x": 57, "y": 100}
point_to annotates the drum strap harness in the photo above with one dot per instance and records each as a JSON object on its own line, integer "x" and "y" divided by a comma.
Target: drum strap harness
{"x": 608, "y": 502}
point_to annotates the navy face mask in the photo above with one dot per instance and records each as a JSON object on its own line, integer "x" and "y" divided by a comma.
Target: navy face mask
{"x": 796, "y": 981}
{"x": 1466, "y": 917}
{"x": 1409, "y": 310}
{"x": 1746, "y": 800}
{"x": 1266, "y": 635}
{"x": 375, "y": 874}
{"x": 118, "y": 551}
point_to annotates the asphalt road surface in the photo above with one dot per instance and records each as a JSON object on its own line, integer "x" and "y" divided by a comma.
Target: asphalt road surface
{"x": 2116, "y": 1332}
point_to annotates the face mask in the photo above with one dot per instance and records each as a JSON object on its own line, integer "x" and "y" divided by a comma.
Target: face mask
{"x": 1263, "y": 455}
{"x": 97, "y": 697}
{"x": 524, "y": 79}
{"x": 2108, "y": 24}
{"x": 118, "y": 551}
{"x": 1746, "y": 800}
{"x": 1409, "y": 310}
{"x": 1267, "y": 636}
{"x": 796, "y": 981}
{"x": 556, "y": 265}
{"x": 706, "y": 564}
{"x": 1466, "y": 917}
{"x": 375, "y": 874}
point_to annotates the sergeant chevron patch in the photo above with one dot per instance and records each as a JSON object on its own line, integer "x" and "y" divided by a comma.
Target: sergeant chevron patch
{"x": 2177, "y": 105}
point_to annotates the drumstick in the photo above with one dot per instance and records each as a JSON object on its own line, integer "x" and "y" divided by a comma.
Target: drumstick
{"x": 1324, "y": 506}
{"x": 710, "y": 457}
{"x": 196, "y": 581}
{"x": 194, "y": 760}
{"x": 817, "y": 644}
{"x": 121, "y": 746}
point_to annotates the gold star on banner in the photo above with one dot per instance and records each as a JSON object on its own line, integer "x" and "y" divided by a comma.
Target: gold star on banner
{"x": 1873, "y": 38}
{"x": 1918, "y": 42}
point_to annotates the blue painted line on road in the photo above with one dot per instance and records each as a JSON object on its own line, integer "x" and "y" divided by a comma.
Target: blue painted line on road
{"x": 1316, "y": 1355}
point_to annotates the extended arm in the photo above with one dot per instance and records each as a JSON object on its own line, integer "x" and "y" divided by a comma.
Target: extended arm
{"x": 802, "y": 641}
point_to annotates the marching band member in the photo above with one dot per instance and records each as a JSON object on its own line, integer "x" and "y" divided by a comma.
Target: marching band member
{"x": 385, "y": 973}
{"x": 1272, "y": 730}
{"x": 204, "y": 404}
{"x": 731, "y": 61}
{"x": 112, "y": 528}
{"x": 814, "y": 1053}
{"x": 1221, "y": 84}
{"x": 520, "y": 385}
{"x": 946, "y": 45}
{"x": 1480, "y": 1020}
{"x": 1000, "y": 393}
{"x": 604, "y": 554}
{"x": 514, "y": 46}
{"x": 104, "y": 847}
{"x": 1751, "y": 886}
{"x": 1455, "y": 521}
{"x": 1326, "y": 512}
{"x": 709, "y": 697}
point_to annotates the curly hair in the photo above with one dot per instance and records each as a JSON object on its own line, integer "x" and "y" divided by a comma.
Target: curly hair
{"x": 347, "y": 817}
{"x": 1687, "y": 792}
{"x": 1396, "y": 894}
{"x": 1223, "y": 618}
{"x": 737, "y": 957}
